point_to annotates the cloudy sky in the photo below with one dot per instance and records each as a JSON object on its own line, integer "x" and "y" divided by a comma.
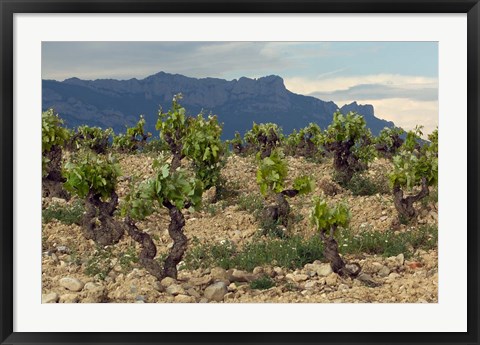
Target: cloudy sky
{"x": 400, "y": 79}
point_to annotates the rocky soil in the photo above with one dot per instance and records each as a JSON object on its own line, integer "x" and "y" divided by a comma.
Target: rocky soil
{"x": 75, "y": 270}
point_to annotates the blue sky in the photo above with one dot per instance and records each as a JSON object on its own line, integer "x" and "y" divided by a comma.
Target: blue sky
{"x": 400, "y": 79}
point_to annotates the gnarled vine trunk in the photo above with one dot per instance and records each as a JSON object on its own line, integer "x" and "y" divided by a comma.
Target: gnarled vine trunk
{"x": 52, "y": 184}
{"x": 404, "y": 205}
{"x": 306, "y": 148}
{"x": 98, "y": 222}
{"x": 176, "y": 149}
{"x": 330, "y": 251}
{"x": 389, "y": 152}
{"x": 175, "y": 230}
{"x": 345, "y": 162}
{"x": 149, "y": 250}
{"x": 279, "y": 212}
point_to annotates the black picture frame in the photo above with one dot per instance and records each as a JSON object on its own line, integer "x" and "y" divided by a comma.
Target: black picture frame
{"x": 9, "y": 7}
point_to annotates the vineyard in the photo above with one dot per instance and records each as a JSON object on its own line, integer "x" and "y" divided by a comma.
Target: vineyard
{"x": 318, "y": 215}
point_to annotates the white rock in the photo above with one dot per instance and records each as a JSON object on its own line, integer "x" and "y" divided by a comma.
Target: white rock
{"x": 331, "y": 279}
{"x": 323, "y": 270}
{"x": 69, "y": 298}
{"x": 184, "y": 299}
{"x": 218, "y": 273}
{"x": 50, "y": 298}
{"x": 175, "y": 289}
{"x": 59, "y": 201}
{"x": 300, "y": 277}
{"x": 384, "y": 271}
{"x": 258, "y": 270}
{"x": 215, "y": 291}
{"x": 400, "y": 259}
{"x": 72, "y": 284}
{"x": 167, "y": 281}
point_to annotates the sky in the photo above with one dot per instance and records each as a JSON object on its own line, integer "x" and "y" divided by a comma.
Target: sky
{"x": 400, "y": 79}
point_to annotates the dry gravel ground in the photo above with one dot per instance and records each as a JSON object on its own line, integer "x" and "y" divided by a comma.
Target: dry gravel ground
{"x": 76, "y": 270}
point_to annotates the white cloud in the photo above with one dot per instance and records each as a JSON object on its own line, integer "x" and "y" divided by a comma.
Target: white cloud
{"x": 405, "y": 108}
{"x": 308, "y": 86}
{"x": 403, "y": 112}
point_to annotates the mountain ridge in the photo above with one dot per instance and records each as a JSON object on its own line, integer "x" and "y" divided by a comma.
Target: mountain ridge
{"x": 238, "y": 102}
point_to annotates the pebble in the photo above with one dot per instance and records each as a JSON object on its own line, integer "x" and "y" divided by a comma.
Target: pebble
{"x": 175, "y": 289}
{"x": 300, "y": 277}
{"x": 384, "y": 271}
{"x": 400, "y": 259}
{"x": 167, "y": 281}
{"x": 72, "y": 284}
{"x": 184, "y": 299}
{"x": 59, "y": 201}
{"x": 235, "y": 275}
{"x": 50, "y": 298}
{"x": 219, "y": 273}
{"x": 69, "y": 298}
{"x": 324, "y": 270}
{"x": 193, "y": 292}
{"x": 216, "y": 291}
{"x": 63, "y": 250}
{"x": 331, "y": 279}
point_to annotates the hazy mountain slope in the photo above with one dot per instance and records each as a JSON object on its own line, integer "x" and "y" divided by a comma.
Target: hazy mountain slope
{"x": 116, "y": 103}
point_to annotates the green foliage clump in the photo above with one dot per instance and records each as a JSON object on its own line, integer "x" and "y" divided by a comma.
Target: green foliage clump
{"x": 272, "y": 172}
{"x": 324, "y": 217}
{"x": 304, "y": 184}
{"x": 202, "y": 145}
{"x": 174, "y": 187}
{"x": 263, "y": 138}
{"x": 415, "y": 163}
{"x": 88, "y": 172}
{"x": 134, "y": 138}
{"x": 93, "y": 138}
{"x": 414, "y": 167}
{"x": 388, "y": 141}
{"x": 349, "y": 139}
{"x": 173, "y": 126}
{"x": 54, "y": 136}
{"x": 306, "y": 142}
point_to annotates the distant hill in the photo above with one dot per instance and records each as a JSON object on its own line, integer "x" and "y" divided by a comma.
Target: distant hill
{"x": 238, "y": 103}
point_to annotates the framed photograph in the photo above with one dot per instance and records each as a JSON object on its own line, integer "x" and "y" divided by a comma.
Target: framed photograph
{"x": 239, "y": 172}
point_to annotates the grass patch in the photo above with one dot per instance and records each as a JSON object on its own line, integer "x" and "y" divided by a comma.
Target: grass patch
{"x": 251, "y": 203}
{"x": 262, "y": 283}
{"x": 101, "y": 262}
{"x": 388, "y": 243}
{"x": 272, "y": 228}
{"x": 361, "y": 184}
{"x": 213, "y": 209}
{"x": 67, "y": 214}
{"x": 293, "y": 252}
